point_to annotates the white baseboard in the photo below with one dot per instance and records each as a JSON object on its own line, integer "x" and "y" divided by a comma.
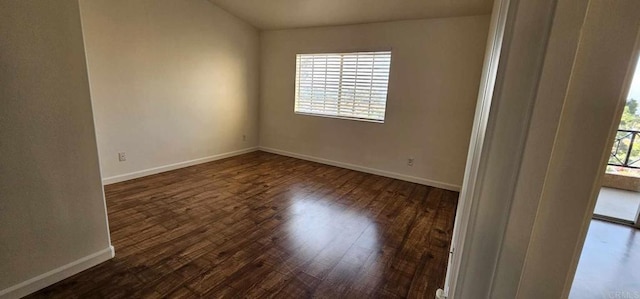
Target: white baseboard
{"x": 384, "y": 173}
{"x": 43, "y": 280}
{"x": 155, "y": 170}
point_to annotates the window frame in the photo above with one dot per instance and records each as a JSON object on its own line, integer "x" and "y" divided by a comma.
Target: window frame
{"x": 351, "y": 51}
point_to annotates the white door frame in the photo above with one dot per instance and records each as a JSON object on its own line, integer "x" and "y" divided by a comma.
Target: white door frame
{"x": 630, "y": 76}
{"x": 513, "y": 64}
{"x": 483, "y": 107}
{"x": 568, "y": 19}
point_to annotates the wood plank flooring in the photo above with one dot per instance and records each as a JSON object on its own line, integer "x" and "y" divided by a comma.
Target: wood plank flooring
{"x": 261, "y": 225}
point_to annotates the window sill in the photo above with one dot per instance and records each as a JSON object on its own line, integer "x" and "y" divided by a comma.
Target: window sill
{"x": 342, "y": 117}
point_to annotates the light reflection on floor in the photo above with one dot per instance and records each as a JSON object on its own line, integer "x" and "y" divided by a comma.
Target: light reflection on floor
{"x": 330, "y": 234}
{"x": 609, "y": 263}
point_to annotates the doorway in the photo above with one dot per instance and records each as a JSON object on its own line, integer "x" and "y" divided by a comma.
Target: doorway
{"x": 608, "y": 262}
{"x": 569, "y": 134}
{"x": 619, "y": 198}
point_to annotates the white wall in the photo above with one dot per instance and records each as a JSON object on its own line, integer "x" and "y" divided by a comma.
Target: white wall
{"x": 435, "y": 73}
{"x": 52, "y": 210}
{"x": 172, "y": 81}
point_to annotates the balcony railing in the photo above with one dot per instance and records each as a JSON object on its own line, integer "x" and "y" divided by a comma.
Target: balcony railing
{"x": 626, "y": 149}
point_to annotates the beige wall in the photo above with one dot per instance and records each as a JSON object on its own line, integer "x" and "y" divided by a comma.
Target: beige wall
{"x": 172, "y": 81}
{"x": 52, "y": 210}
{"x": 435, "y": 73}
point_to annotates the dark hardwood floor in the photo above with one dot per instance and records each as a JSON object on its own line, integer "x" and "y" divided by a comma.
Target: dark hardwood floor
{"x": 262, "y": 225}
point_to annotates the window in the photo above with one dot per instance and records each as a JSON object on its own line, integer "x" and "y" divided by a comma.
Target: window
{"x": 344, "y": 85}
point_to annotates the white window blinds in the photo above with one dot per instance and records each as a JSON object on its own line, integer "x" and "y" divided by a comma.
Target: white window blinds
{"x": 348, "y": 85}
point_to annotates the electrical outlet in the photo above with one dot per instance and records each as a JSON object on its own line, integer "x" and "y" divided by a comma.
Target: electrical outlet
{"x": 410, "y": 162}
{"x": 122, "y": 157}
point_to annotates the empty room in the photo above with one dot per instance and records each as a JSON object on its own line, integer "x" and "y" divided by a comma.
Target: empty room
{"x": 304, "y": 148}
{"x": 250, "y": 148}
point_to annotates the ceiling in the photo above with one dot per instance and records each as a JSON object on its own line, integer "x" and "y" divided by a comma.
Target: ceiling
{"x": 282, "y": 14}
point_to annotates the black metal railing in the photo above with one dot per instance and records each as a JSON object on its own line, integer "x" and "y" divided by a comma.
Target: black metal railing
{"x": 626, "y": 149}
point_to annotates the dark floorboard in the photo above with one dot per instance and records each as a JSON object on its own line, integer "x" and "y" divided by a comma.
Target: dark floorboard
{"x": 261, "y": 225}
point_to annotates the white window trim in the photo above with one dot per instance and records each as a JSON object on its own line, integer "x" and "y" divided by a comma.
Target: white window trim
{"x": 370, "y": 120}
{"x": 344, "y": 117}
